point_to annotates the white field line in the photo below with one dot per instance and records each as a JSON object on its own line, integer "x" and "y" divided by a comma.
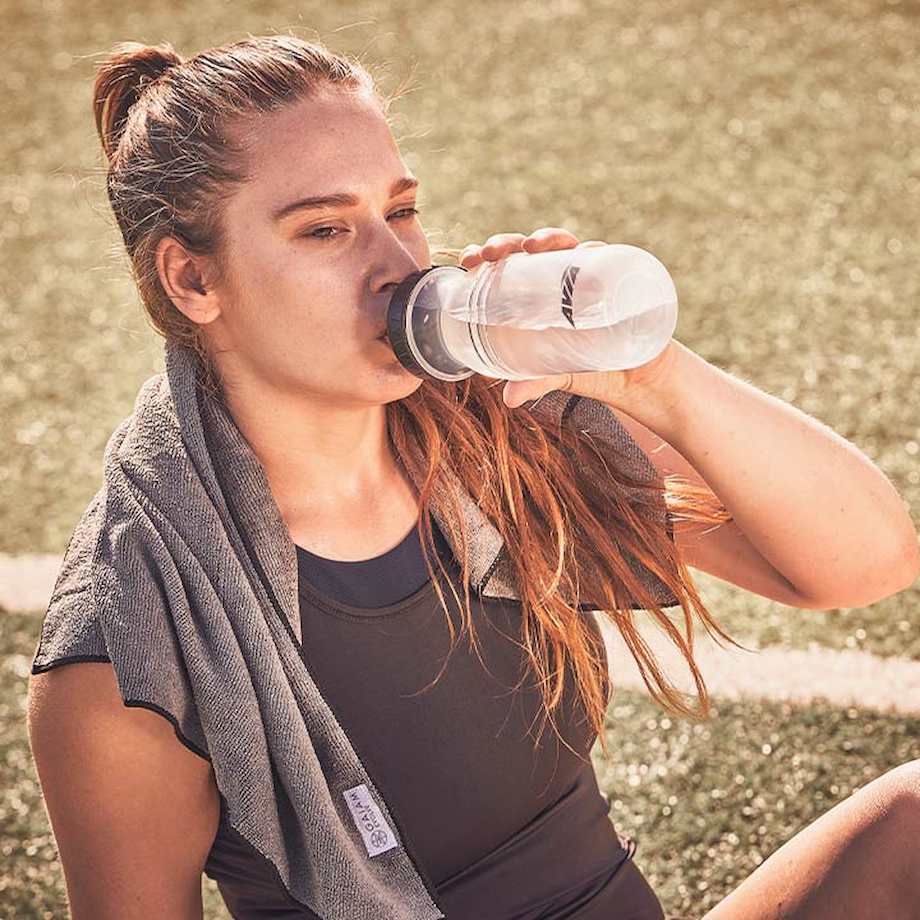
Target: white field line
{"x": 843, "y": 678}
{"x": 26, "y": 582}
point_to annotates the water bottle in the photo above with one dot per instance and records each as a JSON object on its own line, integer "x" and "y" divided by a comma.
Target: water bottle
{"x": 597, "y": 308}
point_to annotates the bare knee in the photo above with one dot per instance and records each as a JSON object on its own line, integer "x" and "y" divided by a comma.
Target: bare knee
{"x": 859, "y": 853}
{"x": 902, "y": 785}
{"x": 898, "y": 792}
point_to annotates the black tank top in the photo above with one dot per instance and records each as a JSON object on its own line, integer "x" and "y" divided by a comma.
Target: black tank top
{"x": 499, "y": 829}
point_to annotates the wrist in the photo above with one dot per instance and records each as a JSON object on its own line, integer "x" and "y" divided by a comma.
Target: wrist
{"x": 652, "y": 393}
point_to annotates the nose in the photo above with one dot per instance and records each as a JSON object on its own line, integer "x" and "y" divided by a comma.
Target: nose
{"x": 398, "y": 258}
{"x": 387, "y": 282}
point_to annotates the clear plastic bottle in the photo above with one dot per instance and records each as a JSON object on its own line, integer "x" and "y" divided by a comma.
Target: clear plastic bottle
{"x": 607, "y": 307}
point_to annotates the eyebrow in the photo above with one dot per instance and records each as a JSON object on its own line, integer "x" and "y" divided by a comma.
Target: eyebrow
{"x": 338, "y": 199}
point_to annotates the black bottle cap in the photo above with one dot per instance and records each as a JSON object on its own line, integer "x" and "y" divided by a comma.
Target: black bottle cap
{"x": 432, "y": 348}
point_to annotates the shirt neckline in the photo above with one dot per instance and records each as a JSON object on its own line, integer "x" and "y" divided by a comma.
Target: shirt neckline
{"x": 308, "y": 591}
{"x": 328, "y": 604}
{"x": 351, "y": 563}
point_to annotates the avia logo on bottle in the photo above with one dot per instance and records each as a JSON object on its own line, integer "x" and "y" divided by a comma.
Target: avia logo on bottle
{"x": 376, "y": 833}
{"x": 568, "y": 288}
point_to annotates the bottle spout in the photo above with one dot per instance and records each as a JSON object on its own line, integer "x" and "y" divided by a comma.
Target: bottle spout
{"x": 414, "y": 324}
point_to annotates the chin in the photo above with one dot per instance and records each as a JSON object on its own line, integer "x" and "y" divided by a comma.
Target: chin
{"x": 398, "y": 384}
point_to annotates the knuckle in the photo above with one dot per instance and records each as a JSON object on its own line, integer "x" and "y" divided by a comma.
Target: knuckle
{"x": 549, "y": 232}
{"x": 895, "y": 796}
{"x": 502, "y": 239}
{"x": 907, "y": 782}
{"x": 469, "y": 254}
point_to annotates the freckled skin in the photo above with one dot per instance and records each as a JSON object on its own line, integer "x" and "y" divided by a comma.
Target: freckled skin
{"x": 306, "y": 309}
{"x": 293, "y": 326}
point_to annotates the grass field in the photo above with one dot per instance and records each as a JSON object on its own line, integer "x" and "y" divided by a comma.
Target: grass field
{"x": 766, "y": 151}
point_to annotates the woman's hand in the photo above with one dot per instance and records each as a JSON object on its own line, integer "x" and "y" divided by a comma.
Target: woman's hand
{"x": 610, "y": 387}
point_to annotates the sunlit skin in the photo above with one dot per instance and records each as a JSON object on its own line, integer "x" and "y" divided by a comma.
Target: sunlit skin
{"x": 293, "y": 327}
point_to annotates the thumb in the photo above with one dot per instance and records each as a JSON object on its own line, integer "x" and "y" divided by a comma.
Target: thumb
{"x": 516, "y": 392}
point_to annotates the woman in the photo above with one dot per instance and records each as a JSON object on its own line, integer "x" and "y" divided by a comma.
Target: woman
{"x": 249, "y": 603}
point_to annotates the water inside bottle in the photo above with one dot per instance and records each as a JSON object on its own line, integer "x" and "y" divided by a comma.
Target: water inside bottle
{"x": 591, "y": 305}
{"x": 515, "y": 353}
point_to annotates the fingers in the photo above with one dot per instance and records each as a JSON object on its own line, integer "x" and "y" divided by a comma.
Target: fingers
{"x": 500, "y": 245}
{"x": 495, "y": 247}
{"x": 550, "y": 238}
{"x": 470, "y": 257}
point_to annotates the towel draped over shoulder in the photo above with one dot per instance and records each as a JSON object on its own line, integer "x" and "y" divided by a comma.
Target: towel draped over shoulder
{"x": 182, "y": 574}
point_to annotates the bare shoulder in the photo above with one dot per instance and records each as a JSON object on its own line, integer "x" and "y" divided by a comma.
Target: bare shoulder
{"x": 85, "y": 695}
{"x": 133, "y": 810}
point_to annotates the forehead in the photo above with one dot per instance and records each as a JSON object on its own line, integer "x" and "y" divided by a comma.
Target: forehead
{"x": 335, "y": 141}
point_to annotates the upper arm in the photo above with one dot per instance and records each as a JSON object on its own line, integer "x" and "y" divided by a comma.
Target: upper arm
{"x": 134, "y": 812}
{"x": 719, "y": 549}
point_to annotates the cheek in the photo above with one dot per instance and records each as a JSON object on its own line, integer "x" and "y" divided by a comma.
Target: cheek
{"x": 302, "y": 304}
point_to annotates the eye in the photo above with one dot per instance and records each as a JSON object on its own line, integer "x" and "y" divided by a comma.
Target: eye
{"x": 401, "y": 214}
{"x": 409, "y": 212}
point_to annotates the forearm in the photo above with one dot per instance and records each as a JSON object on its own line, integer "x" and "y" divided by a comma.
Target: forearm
{"x": 811, "y": 502}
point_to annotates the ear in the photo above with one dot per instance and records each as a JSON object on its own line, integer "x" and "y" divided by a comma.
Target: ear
{"x": 182, "y": 276}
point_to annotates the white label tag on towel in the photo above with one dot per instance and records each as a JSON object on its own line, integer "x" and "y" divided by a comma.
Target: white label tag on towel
{"x": 378, "y": 838}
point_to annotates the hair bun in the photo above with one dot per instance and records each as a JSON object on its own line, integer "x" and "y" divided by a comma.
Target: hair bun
{"x": 120, "y": 80}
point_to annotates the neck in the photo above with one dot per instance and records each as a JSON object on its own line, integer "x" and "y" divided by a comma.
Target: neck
{"x": 319, "y": 456}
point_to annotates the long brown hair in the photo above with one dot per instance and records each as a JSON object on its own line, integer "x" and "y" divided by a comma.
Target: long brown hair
{"x": 568, "y": 519}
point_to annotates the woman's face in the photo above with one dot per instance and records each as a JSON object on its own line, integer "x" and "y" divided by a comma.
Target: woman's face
{"x": 308, "y": 287}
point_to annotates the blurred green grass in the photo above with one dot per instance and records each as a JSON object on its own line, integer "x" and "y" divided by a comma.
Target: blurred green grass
{"x": 766, "y": 152}
{"x": 706, "y": 803}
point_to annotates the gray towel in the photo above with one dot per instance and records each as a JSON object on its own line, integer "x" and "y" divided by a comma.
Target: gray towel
{"x": 182, "y": 573}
